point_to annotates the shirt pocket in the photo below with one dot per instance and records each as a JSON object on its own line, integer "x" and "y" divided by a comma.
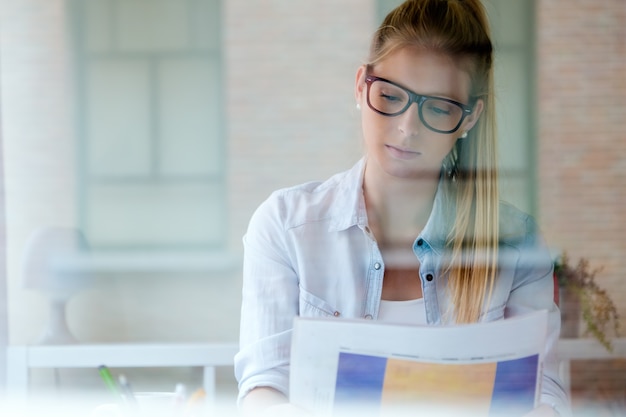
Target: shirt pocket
{"x": 313, "y": 306}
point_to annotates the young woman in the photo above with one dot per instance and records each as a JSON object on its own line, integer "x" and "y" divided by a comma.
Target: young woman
{"x": 415, "y": 231}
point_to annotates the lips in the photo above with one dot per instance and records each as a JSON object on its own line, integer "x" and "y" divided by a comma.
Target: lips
{"x": 400, "y": 153}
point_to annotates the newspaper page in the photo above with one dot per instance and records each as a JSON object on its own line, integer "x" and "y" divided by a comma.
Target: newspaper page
{"x": 365, "y": 368}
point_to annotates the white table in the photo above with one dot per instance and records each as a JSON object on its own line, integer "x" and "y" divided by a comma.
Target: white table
{"x": 206, "y": 355}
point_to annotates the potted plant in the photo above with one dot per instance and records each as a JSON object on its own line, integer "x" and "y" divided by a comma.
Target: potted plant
{"x": 579, "y": 296}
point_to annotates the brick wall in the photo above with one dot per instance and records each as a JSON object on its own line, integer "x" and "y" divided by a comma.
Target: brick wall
{"x": 581, "y": 47}
{"x": 308, "y": 129}
{"x": 38, "y": 140}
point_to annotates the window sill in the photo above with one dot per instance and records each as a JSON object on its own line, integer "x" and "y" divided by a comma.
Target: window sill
{"x": 150, "y": 261}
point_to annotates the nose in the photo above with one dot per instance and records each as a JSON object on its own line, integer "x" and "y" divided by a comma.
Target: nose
{"x": 409, "y": 122}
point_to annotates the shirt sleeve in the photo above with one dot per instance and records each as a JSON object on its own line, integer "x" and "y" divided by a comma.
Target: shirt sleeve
{"x": 269, "y": 302}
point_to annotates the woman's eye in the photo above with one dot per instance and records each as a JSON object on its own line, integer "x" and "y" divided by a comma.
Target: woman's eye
{"x": 389, "y": 97}
{"x": 439, "y": 110}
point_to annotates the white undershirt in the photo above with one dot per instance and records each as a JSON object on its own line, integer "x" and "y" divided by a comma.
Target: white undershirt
{"x": 403, "y": 312}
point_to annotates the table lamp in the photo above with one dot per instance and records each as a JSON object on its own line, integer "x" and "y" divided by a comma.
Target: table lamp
{"x": 51, "y": 265}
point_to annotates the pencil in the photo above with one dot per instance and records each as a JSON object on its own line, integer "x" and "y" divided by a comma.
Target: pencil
{"x": 108, "y": 379}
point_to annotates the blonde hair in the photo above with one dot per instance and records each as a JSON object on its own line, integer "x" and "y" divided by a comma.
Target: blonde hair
{"x": 459, "y": 28}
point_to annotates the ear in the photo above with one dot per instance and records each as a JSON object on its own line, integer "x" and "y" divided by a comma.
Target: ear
{"x": 471, "y": 120}
{"x": 359, "y": 84}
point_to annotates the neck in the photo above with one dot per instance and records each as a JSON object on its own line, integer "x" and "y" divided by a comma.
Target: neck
{"x": 397, "y": 208}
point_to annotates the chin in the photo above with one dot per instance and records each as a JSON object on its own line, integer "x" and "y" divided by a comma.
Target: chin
{"x": 413, "y": 173}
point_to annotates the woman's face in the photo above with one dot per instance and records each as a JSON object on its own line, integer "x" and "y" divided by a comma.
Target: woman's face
{"x": 402, "y": 146}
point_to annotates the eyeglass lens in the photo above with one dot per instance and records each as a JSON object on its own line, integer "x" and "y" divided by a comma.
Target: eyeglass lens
{"x": 436, "y": 114}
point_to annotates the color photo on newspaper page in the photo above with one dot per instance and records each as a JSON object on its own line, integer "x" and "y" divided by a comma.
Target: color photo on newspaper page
{"x": 345, "y": 367}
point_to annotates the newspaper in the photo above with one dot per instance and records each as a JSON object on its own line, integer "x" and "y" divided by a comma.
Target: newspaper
{"x": 484, "y": 369}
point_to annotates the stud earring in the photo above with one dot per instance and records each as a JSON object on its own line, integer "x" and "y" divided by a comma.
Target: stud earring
{"x": 464, "y": 135}
{"x": 358, "y": 106}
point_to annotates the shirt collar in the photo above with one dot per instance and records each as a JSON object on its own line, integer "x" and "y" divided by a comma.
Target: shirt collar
{"x": 350, "y": 210}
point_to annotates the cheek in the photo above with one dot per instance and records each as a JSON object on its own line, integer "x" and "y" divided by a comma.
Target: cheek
{"x": 446, "y": 144}
{"x": 369, "y": 132}
{"x": 439, "y": 146}
{"x": 374, "y": 128}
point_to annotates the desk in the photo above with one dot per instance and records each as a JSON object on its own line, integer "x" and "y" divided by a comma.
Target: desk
{"x": 209, "y": 356}
{"x": 205, "y": 355}
{"x": 585, "y": 348}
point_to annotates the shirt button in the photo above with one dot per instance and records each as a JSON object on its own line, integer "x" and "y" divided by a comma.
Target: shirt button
{"x": 429, "y": 277}
{"x": 377, "y": 266}
{"x": 367, "y": 230}
{"x": 369, "y": 317}
{"x": 420, "y": 242}
{"x": 336, "y": 314}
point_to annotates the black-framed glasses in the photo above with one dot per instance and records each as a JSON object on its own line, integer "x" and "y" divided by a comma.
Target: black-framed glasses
{"x": 439, "y": 114}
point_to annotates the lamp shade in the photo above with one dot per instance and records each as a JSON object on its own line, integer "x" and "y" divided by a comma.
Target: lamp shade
{"x": 49, "y": 256}
{"x": 49, "y": 265}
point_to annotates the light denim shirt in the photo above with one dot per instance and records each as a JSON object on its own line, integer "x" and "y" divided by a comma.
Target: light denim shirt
{"x": 309, "y": 252}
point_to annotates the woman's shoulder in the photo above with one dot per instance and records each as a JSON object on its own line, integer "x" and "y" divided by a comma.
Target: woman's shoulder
{"x": 313, "y": 200}
{"x": 520, "y": 237}
{"x": 515, "y": 224}
{"x": 313, "y": 190}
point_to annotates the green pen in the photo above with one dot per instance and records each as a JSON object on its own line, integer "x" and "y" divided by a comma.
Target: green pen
{"x": 108, "y": 379}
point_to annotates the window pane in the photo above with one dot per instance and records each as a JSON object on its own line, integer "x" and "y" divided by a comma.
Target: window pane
{"x": 510, "y": 21}
{"x": 152, "y": 25}
{"x": 118, "y": 118}
{"x": 149, "y": 215}
{"x": 385, "y": 6}
{"x": 205, "y": 24}
{"x": 97, "y": 24}
{"x": 151, "y": 126}
{"x": 189, "y": 117}
{"x": 512, "y": 104}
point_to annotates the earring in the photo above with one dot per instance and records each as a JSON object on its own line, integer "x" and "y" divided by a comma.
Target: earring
{"x": 358, "y": 106}
{"x": 464, "y": 135}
